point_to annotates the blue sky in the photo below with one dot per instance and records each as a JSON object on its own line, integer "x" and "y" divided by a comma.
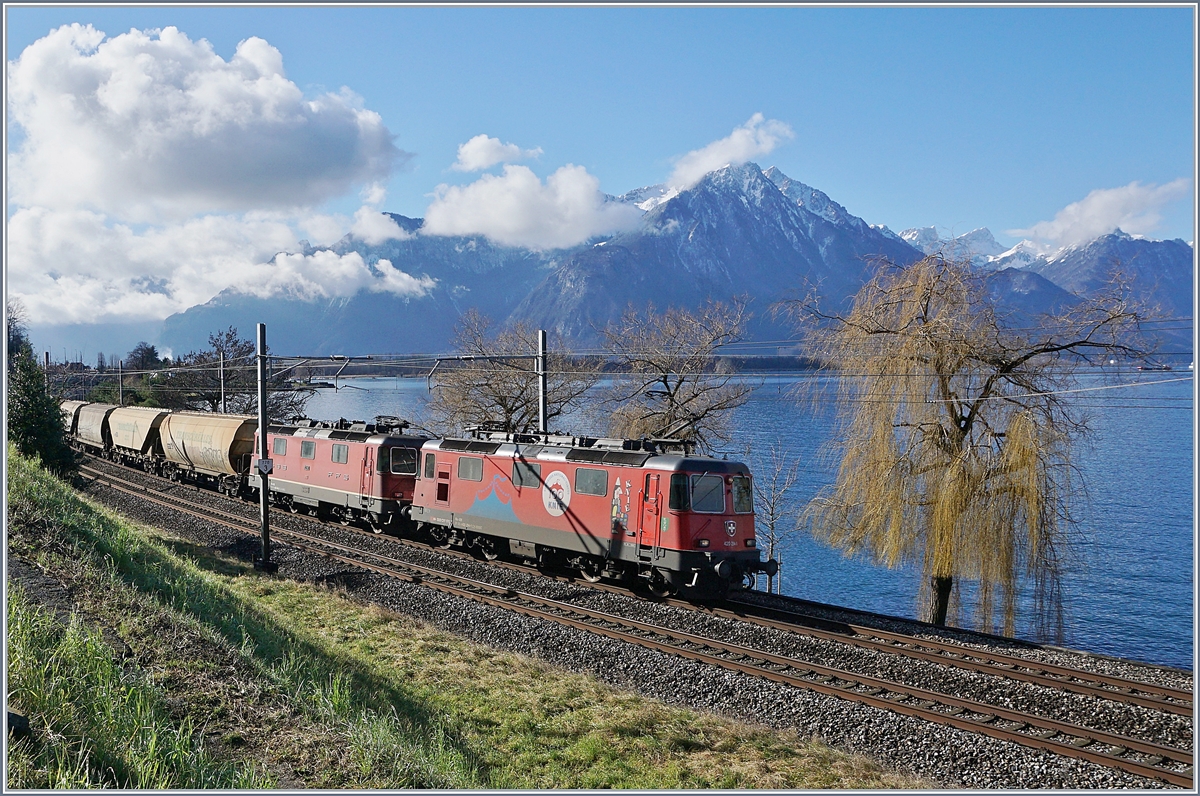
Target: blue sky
{"x": 954, "y": 117}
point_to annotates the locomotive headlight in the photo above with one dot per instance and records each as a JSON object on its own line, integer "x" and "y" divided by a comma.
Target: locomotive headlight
{"x": 751, "y": 543}
{"x": 701, "y": 543}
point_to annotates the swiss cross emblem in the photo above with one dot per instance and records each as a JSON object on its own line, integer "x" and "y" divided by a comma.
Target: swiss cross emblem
{"x": 731, "y": 527}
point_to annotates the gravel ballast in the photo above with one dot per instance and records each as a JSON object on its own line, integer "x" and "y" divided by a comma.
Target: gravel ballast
{"x": 953, "y": 757}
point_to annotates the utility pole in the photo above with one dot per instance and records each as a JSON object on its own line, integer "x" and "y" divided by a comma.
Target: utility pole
{"x": 120, "y": 383}
{"x": 222, "y": 382}
{"x": 263, "y": 561}
{"x": 539, "y": 367}
{"x": 541, "y": 371}
{"x": 47, "y": 371}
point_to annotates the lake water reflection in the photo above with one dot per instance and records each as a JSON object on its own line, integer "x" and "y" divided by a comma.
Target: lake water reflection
{"x": 1128, "y": 588}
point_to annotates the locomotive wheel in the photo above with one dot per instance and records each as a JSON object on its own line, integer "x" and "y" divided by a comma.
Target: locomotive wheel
{"x": 591, "y": 570}
{"x": 439, "y": 537}
{"x": 487, "y": 547}
{"x": 658, "y": 584}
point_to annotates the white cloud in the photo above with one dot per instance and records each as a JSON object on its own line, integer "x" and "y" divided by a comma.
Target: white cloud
{"x": 326, "y": 274}
{"x": 374, "y": 194}
{"x": 373, "y": 227}
{"x": 393, "y": 280}
{"x": 151, "y": 126}
{"x": 482, "y": 152}
{"x": 517, "y": 209}
{"x": 321, "y": 229}
{"x": 152, "y": 174}
{"x": 76, "y": 266}
{"x": 1133, "y": 208}
{"x": 758, "y": 136}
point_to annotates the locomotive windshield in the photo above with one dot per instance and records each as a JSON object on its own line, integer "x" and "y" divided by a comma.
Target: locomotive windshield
{"x": 401, "y": 461}
{"x": 743, "y": 497}
{"x": 681, "y": 500}
{"x": 708, "y": 494}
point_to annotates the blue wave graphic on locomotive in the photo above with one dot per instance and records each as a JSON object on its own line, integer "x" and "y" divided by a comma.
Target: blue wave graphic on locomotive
{"x": 494, "y": 501}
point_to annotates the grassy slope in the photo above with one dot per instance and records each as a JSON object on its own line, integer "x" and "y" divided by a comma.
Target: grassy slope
{"x": 295, "y": 685}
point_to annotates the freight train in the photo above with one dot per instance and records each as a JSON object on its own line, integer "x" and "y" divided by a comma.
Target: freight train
{"x": 644, "y": 511}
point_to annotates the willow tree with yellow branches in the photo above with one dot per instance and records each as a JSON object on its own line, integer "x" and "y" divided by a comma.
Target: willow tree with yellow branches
{"x": 956, "y": 433}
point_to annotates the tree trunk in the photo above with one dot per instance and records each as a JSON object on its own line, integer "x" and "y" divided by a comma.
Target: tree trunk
{"x": 939, "y": 600}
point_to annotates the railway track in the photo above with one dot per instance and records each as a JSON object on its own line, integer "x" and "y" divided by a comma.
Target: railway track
{"x": 1144, "y": 758}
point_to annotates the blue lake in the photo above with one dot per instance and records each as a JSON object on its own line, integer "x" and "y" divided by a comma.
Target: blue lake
{"x": 1128, "y": 582}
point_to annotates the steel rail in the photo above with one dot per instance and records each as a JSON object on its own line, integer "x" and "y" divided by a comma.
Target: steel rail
{"x": 1109, "y": 687}
{"x": 876, "y": 692}
{"x": 1061, "y": 738}
{"x": 995, "y": 664}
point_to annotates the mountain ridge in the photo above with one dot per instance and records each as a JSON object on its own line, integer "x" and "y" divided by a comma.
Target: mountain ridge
{"x": 739, "y": 231}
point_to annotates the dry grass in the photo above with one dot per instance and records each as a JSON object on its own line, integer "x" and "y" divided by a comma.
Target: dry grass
{"x": 537, "y": 726}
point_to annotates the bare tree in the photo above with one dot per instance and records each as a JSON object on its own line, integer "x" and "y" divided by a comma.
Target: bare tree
{"x": 16, "y": 325}
{"x": 956, "y": 435}
{"x": 773, "y": 485}
{"x": 498, "y": 385}
{"x": 671, "y": 381}
{"x": 195, "y": 379}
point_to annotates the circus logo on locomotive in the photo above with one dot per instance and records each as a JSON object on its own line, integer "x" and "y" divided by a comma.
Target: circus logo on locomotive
{"x": 556, "y": 493}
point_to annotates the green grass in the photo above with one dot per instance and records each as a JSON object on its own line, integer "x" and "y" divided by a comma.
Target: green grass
{"x": 99, "y": 728}
{"x": 373, "y": 734}
{"x": 317, "y": 690}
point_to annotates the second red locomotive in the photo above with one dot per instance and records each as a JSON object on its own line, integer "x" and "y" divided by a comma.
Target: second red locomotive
{"x": 350, "y": 472}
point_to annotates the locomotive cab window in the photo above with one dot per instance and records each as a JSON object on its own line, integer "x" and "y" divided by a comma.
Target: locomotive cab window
{"x": 308, "y": 449}
{"x": 743, "y": 496}
{"x": 708, "y": 494}
{"x": 526, "y": 474}
{"x": 404, "y": 461}
{"x": 591, "y": 482}
{"x": 341, "y": 454}
{"x": 680, "y": 498}
{"x": 429, "y": 464}
{"x": 470, "y": 468}
{"x": 279, "y": 446}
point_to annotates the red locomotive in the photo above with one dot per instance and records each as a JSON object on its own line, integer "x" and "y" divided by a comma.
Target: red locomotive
{"x": 349, "y": 472}
{"x": 635, "y": 509}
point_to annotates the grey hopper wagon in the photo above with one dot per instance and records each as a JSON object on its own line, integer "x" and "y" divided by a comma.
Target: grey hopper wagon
{"x": 91, "y": 426}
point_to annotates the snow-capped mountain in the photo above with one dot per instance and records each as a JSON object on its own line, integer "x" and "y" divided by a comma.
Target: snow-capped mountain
{"x": 978, "y": 245}
{"x": 649, "y": 197}
{"x": 924, "y": 238}
{"x": 738, "y": 231}
{"x": 1158, "y": 272}
{"x": 1025, "y": 254}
